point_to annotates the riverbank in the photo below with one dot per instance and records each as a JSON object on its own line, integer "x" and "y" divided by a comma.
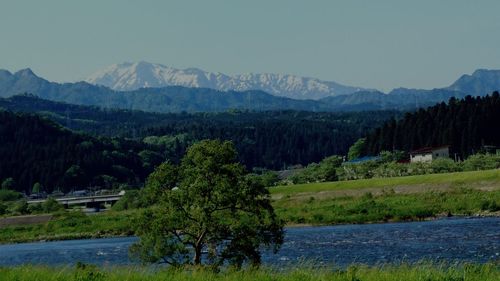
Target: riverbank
{"x": 411, "y": 198}
{"x": 351, "y": 202}
{"x": 430, "y": 272}
{"x": 71, "y": 225}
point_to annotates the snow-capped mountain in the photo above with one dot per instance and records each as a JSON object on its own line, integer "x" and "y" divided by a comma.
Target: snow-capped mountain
{"x": 132, "y": 76}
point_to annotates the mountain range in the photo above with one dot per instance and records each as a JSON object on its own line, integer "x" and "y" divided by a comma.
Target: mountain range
{"x": 166, "y": 99}
{"x": 132, "y": 76}
{"x": 196, "y": 99}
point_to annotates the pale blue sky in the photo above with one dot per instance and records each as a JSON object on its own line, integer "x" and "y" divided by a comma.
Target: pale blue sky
{"x": 377, "y": 44}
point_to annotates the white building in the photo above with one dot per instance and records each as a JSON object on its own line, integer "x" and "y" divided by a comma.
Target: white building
{"x": 427, "y": 154}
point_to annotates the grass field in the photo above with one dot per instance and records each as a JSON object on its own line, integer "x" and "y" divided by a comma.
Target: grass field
{"x": 427, "y": 272}
{"x": 360, "y": 201}
{"x": 390, "y": 199}
{"x": 71, "y": 225}
{"x": 475, "y": 179}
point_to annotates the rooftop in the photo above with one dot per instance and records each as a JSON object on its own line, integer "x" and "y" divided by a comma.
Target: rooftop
{"x": 428, "y": 149}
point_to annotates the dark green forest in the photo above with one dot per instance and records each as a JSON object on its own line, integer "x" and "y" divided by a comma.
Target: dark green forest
{"x": 270, "y": 139}
{"x": 107, "y": 148}
{"x": 467, "y": 125}
{"x": 37, "y": 150}
{"x": 64, "y": 146}
{"x": 136, "y": 124}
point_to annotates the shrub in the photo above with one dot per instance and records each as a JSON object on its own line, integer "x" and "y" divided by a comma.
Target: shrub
{"x": 490, "y": 205}
{"x": 330, "y": 169}
{"x": 35, "y": 208}
{"x": 269, "y": 178}
{"x": 22, "y": 207}
{"x": 326, "y": 170}
{"x": 86, "y": 272}
{"x": 481, "y": 162}
{"x": 72, "y": 218}
{"x": 51, "y": 205}
{"x": 444, "y": 165}
{"x": 8, "y": 183}
{"x": 131, "y": 200}
{"x": 3, "y": 209}
{"x": 391, "y": 169}
{"x": 9, "y": 195}
{"x": 364, "y": 170}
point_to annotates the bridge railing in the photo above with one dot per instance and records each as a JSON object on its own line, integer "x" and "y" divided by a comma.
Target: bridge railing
{"x": 91, "y": 198}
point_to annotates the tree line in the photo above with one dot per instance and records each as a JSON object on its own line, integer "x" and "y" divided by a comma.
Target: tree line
{"x": 467, "y": 125}
{"x": 38, "y": 151}
{"x": 270, "y": 139}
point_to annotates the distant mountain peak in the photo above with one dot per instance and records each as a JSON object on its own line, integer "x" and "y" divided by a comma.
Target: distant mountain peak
{"x": 196, "y": 90}
{"x": 131, "y": 76}
{"x": 5, "y": 73}
{"x": 483, "y": 71}
{"x": 482, "y": 81}
{"x": 25, "y": 72}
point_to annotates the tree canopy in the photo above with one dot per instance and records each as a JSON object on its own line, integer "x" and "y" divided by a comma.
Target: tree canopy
{"x": 269, "y": 139}
{"x": 466, "y": 125}
{"x": 35, "y": 150}
{"x": 207, "y": 203}
{"x": 357, "y": 149}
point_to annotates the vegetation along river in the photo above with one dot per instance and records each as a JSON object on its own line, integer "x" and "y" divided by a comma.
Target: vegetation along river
{"x": 449, "y": 240}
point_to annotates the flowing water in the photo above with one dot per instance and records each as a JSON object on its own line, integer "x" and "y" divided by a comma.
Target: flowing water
{"x": 449, "y": 240}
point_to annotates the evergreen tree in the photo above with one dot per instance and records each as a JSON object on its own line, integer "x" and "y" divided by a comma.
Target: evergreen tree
{"x": 466, "y": 125}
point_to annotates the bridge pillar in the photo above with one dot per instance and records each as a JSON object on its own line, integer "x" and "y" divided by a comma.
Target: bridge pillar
{"x": 95, "y": 205}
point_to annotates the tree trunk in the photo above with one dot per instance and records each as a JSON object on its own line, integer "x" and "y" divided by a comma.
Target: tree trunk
{"x": 197, "y": 255}
{"x": 198, "y": 247}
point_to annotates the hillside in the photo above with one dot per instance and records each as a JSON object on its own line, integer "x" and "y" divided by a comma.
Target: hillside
{"x": 37, "y": 150}
{"x": 481, "y": 81}
{"x": 271, "y": 139}
{"x": 466, "y": 125}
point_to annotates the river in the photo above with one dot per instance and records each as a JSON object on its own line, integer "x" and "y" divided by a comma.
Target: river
{"x": 450, "y": 240}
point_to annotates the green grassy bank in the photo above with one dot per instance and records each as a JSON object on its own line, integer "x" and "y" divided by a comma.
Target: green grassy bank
{"x": 458, "y": 179}
{"x": 487, "y": 272}
{"x": 360, "y": 201}
{"x": 71, "y": 225}
{"x": 390, "y": 199}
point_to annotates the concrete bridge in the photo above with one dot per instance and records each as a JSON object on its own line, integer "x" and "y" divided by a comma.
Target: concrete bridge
{"x": 90, "y": 201}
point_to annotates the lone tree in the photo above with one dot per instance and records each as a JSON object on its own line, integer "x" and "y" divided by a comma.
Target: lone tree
{"x": 37, "y": 187}
{"x": 207, "y": 204}
{"x": 8, "y": 183}
{"x": 357, "y": 149}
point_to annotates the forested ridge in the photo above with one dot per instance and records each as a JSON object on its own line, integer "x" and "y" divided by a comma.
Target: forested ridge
{"x": 116, "y": 147}
{"x": 270, "y": 139}
{"x": 37, "y": 150}
{"x": 467, "y": 125}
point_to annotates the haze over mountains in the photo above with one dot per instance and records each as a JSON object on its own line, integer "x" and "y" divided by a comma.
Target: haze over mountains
{"x": 197, "y": 99}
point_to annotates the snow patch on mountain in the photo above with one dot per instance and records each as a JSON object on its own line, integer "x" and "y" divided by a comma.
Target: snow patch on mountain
{"x": 131, "y": 76}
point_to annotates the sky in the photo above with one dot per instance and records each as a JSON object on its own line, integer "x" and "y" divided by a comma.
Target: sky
{"x": 374, "y": 44}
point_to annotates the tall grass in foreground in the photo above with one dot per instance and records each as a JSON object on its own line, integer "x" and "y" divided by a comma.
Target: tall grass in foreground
{"x": 427, "y": 272}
